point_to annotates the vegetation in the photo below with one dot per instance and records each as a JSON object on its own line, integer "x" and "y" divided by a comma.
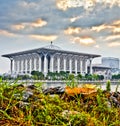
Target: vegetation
{"x": 108, "y": 86}
{"x": 116, "y": 76}
{"x": 61, "y": 110}
{"x": 36, "y": 75}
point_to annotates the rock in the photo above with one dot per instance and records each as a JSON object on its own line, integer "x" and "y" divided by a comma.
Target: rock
{"x": 23, "y": 104}
{"x": 67, "y": 113}
{"x": 55, "y": 90}
{"x": 31, "y": 87}
{"x": 114, "y": 101}
{"x": 26, "y": 95}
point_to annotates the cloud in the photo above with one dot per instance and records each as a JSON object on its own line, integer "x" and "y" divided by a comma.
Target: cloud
{"x": 97, "y": 46}
{"x": 114, "y": 27}
{"x": 38, "y": 23}
{"x": 112, "y": 37}
{"x": 73, "y": 19}
{"x": 6, "y": 33}
{"x": 99, "y": 28}
{"x": 72, "y": 30}
{"x": 44, "y": 37}
{"x": 34, "y": 24}
{"x": 86, "y": 4}
{"x": 27, "y": 5}
{"x": 87, "y": 41}
{"x": 114, "y": 44}
{"x": 18, "y": 27}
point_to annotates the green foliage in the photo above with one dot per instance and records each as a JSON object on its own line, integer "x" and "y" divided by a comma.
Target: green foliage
{"x": 108, "y": 86}
{"x": 36, "y": 75}
{"x": 44, "y": 110}
{"x": 72, "y": 83}
{"x": 71, "y": 76}
{"x": 116, "y": 76}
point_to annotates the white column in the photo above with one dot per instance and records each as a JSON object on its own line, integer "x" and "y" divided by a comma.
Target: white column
{"x": 86, "y": 66}
{"x": 90, "y": 65}
{"x": 15, "y": 66}
{"x": 70, "y": 65}
{"x": 76, "y": 66}
{"x": 52, "y": 64}
{"x": 45, "y": 65}
{"x": 40, "y": 64}
{"x": 26, "y": 66}
{"x": 64, "y": 64}
{"x": 30, "y": 67}
{"x": 21, "y": 66}
{"x": 81, "y": 66}
{"x": 17, "y": 70}
{"x": 58, "y": 64}
{"x": 35, "y": 63}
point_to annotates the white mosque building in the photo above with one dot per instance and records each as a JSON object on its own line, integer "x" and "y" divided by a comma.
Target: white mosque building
{"x": 50, "y": 58}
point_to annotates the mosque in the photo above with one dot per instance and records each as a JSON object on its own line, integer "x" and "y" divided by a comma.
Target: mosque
{"x": 50, "y": 58}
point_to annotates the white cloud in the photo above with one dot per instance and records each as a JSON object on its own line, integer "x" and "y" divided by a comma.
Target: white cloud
{"x": 86, "y": 4}
{"x": 87, "y": 41}
{"x": 72, "y": 30}
{"x": 114, "y": 44}
{"x": 7, "y": 33}
{"x": 34, "y": 24}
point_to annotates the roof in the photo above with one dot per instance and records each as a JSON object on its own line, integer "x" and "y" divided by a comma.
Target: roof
{"x": 50, "y": 49}
{"x": 100, "y": 66}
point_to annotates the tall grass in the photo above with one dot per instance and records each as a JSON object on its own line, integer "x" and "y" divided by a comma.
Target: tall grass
{"x": 61, "y": 110}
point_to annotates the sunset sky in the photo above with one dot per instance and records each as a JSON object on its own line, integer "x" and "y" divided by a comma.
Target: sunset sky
{"x": 87, "y": 26}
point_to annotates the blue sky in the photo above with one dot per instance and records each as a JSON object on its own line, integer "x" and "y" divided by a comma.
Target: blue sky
{"x": 89, "y": 26}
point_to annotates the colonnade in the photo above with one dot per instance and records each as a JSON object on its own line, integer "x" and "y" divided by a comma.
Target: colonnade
{"x": 45, "y": 63}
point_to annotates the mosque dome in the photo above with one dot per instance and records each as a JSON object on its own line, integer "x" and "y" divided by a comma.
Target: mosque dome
{"x": 52, "y": 46}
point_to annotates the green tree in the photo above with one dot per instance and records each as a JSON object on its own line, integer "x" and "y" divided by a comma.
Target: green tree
{"x": 71, "y": 76}
{"x": 79, "y": 76}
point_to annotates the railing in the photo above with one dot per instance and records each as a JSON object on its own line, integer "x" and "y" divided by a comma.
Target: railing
{"x": 63, "y": 81}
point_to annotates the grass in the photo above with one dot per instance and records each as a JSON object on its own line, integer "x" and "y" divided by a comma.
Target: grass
{"x": 61, "y": 110}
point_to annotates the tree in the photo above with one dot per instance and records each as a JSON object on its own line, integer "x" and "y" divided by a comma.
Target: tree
{"x": 79, "y": 76}
{"x": 71, "y": 76}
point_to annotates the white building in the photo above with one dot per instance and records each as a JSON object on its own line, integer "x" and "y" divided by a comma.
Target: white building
{"x": 111, "y": 62}
{"x": 50, "y": 59}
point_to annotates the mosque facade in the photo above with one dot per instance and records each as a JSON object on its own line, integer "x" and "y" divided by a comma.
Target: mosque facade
{"x": 50, "y": 59}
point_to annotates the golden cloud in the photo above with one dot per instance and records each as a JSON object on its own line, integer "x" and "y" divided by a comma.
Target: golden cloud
{"x": 114, "y": 27}
{"x": 6, "y": 33}
{"x": 72, "y": 30}
{"x": 39, "y": 23}
{"x": 44, "y": 37}
{"x": 114, "y": 44}
{"x": 87, "y": 41}
{"x": 18, "y": 27}
{"x": 99, "y": 28}
{"x": 112, "y": 37}
{"x": 116, "y": 22}
{"x": 86, "y": 4}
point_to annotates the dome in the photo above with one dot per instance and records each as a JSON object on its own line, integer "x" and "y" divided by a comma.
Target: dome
{"x": 51, "y": 46}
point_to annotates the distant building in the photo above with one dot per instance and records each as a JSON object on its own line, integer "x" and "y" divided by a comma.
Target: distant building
{"x": 100, "y": 69}
{"x": 50, "y": 59}
{"x": 111, "y": 62}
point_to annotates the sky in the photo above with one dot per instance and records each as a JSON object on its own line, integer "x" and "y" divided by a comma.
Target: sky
{"x": 87, "y": 26}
